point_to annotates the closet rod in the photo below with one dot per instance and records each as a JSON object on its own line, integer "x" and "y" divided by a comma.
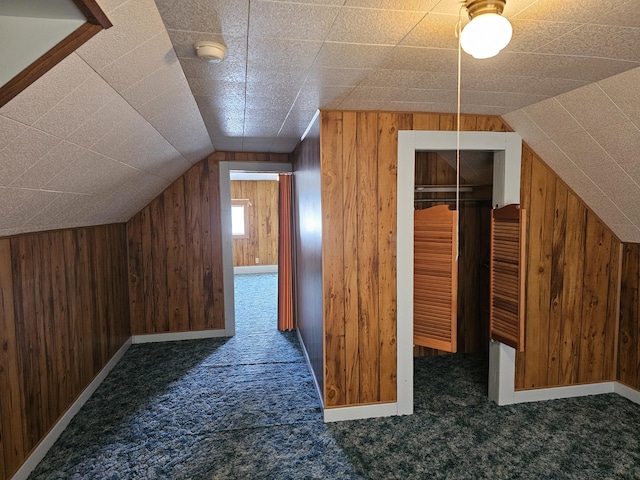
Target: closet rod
{"x": 420, "y": 200}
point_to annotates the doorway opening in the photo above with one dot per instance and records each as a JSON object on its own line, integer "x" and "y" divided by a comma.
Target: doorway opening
{"x": 249, "y": 213}
{"x": 505, "y": 149}
{"x": 466, "y": 292}
{"x": 254, "y": 232}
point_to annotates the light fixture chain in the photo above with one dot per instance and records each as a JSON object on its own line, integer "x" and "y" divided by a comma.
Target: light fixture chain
{"x": 458, "y": 31}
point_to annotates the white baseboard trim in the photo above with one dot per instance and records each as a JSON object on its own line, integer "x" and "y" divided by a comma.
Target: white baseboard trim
{"x": 256, "y": 269}
{"x": 540, "y": 394}
{"x": 175, "y": 336}
{"x": 47, "y": 442}
{"x": 524, "y": 396}
{"x": 313, "y": 375}
{"x": 340, "y": 414}
{"x": 627, "y": 392}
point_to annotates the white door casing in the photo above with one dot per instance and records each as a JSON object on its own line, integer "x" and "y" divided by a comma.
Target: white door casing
{"x": 507, "y": 155}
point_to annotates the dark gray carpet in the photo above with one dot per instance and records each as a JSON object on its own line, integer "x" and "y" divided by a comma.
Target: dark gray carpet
{"x": 456, "y": 433}
{"x": 245, "y": 408}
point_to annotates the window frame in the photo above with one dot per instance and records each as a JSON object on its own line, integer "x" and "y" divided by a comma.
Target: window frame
{"x": 96, "y": 22}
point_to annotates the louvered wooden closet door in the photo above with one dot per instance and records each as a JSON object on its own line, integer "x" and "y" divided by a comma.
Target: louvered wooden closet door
{"x": 435, "y": 278}
{"x": 508, "y": 227}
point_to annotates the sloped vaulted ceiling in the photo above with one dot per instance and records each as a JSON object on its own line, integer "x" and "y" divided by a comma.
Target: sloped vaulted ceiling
{"x": 111, "y": 126}
{"x": 591, "y": 138}
{"x": 103, "y": 132}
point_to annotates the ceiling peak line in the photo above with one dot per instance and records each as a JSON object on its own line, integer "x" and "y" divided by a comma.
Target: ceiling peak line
{"x": 246, "y": 76}
{"x": 65, "y": 97}
{"x": 120, "y": 94}
{"x": 129, "y": 52}
{"x": 13, "y": 120}
{"x": 302, "y": 84}
{"x": 413, "y": 28}
{"x": 597, "y": 188}
{"x": 138, "y": 112}
{"x": 27, "y": 189}
{"x": 90, "y": 148}
{"x": 382, "y": 61}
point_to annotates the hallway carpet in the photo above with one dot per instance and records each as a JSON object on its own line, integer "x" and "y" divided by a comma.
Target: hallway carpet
{"x": 245, "y": 408}
{"x": 223, "y": 408}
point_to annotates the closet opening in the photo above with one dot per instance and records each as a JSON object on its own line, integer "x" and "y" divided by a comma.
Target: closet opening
{"x": 505, "y": 150}
{"x": 467, "y": 292}
{"x": 435, "y": 186}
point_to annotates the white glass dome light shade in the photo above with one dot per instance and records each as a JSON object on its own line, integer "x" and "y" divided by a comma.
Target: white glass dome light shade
{"x": 485, "y": 35}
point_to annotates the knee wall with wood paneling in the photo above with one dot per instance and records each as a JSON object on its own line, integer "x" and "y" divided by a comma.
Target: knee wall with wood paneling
{"x": 261, "y": 242}
{"x": 63, "y": 315}
{"x": 175, "y": 252}
{"x": 629, "y": 336}
{"x": 572, "y": 286}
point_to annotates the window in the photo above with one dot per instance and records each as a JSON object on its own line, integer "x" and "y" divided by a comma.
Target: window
{"x": 61, "y": 26}
{"x": 239, "y": 215}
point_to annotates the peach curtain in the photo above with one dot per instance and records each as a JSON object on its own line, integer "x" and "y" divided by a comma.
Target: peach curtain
{"x": 285, "y": 255}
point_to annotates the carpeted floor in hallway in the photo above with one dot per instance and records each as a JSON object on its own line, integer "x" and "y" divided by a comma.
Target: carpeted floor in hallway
{"x": 245, "y": 408}
{"x": 225, "y": 408}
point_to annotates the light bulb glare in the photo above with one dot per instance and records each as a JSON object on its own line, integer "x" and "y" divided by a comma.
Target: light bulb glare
{"x": 485, "y": 35}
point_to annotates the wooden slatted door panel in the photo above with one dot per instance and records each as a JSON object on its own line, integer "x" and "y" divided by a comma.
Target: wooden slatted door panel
{"x": 435, "y": 278}
{"x": 508, "y": 227}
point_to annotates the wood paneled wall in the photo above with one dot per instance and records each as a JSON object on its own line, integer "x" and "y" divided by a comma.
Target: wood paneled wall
{"x": 359, "y": 158}
{"x": 175, "y": 252}
{"x": 63, "y": 315}
{"x": 475, "y": 233}
{"x": 629, "y": 336}
{"x": 262, "y": 220}
{"x": 307, "y": 249}
{"x": 572, "y": 276}
{"x": 573, "y": 272}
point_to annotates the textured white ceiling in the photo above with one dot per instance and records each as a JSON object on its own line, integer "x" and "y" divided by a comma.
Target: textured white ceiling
{"x": 288, "y": 58}
{"x": 591, "y": 138}
{"x": 103, "y": 132}
{"x": 106, "y": 130}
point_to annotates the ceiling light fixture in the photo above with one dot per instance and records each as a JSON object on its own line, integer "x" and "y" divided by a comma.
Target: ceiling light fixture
{"x": 488, "y": 32}
{"x": 213, "y": 51}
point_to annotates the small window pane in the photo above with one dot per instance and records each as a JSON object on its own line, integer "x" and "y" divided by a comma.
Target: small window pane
{"x": 237, "y": 220}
